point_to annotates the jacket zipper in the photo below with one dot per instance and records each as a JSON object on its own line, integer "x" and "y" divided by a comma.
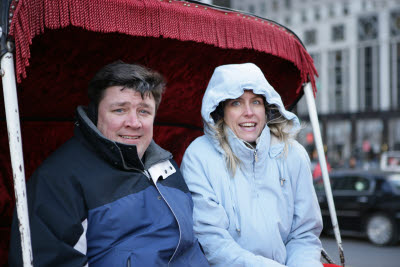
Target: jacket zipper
{"x": 176, "y": 218}
{"x": 254, "y": 172}
{"x": 252, "y": 147}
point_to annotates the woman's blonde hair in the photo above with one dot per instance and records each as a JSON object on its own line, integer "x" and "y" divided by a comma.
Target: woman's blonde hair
{"x": 279, "y": 126}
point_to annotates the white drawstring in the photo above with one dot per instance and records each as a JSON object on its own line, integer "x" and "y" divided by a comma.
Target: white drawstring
{"x": 281, "y": 168}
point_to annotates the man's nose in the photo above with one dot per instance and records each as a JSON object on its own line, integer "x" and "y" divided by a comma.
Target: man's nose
{"x": 132, "y": 120}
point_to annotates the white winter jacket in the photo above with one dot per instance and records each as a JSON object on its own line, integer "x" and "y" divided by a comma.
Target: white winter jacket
{"x": 267, "y": 214}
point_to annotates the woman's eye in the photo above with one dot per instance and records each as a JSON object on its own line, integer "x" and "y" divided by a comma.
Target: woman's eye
{"x": 235, "y": 103}
{"x": 257, "y": 102}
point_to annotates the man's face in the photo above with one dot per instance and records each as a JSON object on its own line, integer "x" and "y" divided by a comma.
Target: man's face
{"x": 124, "y": 117}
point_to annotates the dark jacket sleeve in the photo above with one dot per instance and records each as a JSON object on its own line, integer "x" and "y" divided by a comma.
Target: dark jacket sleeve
{"x": 56, "y": 211}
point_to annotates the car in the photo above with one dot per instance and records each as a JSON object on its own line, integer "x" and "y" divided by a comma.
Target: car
{"x": 367, "y": 203}
{"x": 390, "y": 160}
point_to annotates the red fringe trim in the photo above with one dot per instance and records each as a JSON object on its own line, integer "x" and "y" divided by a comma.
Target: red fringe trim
{"x": 157, "y": 18}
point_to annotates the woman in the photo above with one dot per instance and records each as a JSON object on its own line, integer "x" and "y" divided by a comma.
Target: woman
{"x": 254, "y": 201}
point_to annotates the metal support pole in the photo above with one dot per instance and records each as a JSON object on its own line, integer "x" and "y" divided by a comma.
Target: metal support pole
{"x": 17, "y": 160}
{"x": 322, "y": 161}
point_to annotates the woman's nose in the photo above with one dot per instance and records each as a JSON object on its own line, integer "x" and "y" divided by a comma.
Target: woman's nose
{"x": 248, "y": 110}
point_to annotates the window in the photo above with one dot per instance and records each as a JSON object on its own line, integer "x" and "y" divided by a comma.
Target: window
{"x": 395, "y": 23}
{"x": 310, "y": 37}
{"x": 368, "y": 62}
{"x": 395, "y": 74}
{"x": 303, "y": 16}
{"x": 338, "y": 80}
{"x": 369, "y": 137}
{"x": 288, "y": 4}
{"x": 395, "y": 59}
{"x": 331, "y": 11}
{"x": 338, "y": 140}
{"x": 368, "y": 28}
{"x": 338, "y": 97}
{"x": 317, "y": 14}
{"x": 394, "y": 134}
{"x": 368, "y": 74}
{"x": 338, "y": 33}
{"x": 225, "y": 3}
{"x": 251, "y": 9}
{"x": 275, "y": 5}
{"x": 345, "y": 9}
{"x": 287, "y": 20}
{"x": 263, "y": 8}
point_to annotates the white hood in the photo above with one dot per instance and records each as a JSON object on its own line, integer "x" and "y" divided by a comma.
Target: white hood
{"x": 230, "y": 81}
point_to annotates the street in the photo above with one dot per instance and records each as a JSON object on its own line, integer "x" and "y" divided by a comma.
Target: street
{"x": 360, "y": 253}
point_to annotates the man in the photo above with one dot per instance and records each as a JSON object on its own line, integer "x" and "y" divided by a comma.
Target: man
{"x": 110, "y": 196}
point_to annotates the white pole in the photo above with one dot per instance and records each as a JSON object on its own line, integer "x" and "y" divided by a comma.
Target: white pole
{"x": 17, "y": 160}
{"x": 322, "y": 161}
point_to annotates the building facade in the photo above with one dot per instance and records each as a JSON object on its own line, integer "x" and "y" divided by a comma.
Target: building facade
{"x": 356, "y": 49}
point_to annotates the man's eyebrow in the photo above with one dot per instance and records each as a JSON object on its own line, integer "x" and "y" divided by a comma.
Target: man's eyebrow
{"x": 144, "y": 105}
{"x": 119, "y": 104}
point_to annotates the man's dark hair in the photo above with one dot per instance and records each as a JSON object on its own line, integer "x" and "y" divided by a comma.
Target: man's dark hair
{"x": 131, "y": 76}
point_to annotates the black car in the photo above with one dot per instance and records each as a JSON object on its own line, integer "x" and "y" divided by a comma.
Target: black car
{"x": 366, "y": 202}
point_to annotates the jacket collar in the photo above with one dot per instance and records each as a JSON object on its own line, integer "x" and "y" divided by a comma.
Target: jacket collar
{"x": 267, "y": 145}
{"x": 120, "y": 155}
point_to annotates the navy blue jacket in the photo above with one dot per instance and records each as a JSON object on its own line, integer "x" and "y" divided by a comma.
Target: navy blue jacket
{"x": 93, "y": 201}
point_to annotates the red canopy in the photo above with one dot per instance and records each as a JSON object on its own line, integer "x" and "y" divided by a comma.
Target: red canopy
{"x": 60, "y": 44}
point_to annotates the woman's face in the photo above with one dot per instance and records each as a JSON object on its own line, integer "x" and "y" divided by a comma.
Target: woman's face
{"x": 245, "y": 115}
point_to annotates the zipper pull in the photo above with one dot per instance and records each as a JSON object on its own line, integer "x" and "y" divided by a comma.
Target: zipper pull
{"x": 255, "y": 155}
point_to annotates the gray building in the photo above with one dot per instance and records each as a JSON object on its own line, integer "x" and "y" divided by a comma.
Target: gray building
{"x": 356, "y": 49}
